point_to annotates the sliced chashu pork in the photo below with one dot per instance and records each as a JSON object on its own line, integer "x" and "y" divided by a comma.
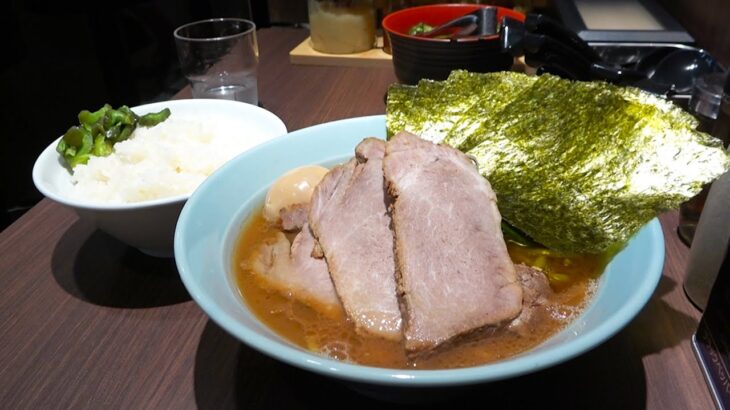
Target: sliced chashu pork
{"x": 350, "y": 220}
{"x": 292, "y": 271}
{"x": 293, "y": 217}
{"x": 454, "y": 274}
{"x": 535, "y": 293}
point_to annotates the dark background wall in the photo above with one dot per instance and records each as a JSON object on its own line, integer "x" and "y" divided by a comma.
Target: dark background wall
{"x": 708, "y": 21}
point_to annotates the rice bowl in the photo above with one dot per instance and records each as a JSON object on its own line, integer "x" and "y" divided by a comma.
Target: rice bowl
{"x": 143, "y": 222}
{"x": 166, "y": 160}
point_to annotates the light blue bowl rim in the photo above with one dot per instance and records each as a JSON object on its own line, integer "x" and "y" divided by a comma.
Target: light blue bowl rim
{"x": 508, "y": 368}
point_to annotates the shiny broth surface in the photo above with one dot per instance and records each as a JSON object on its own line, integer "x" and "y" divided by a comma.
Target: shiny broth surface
{"x": 573, "y": 280}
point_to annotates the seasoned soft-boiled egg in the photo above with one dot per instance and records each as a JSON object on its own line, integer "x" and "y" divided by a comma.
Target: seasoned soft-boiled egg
{"x": 294, "y": 187}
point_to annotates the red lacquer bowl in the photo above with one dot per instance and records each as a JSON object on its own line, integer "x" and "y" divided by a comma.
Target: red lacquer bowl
{"x": 415, "y": 57}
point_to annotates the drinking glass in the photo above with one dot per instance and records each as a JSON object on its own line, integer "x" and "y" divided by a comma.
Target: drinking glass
{"x": 220, "y": 58}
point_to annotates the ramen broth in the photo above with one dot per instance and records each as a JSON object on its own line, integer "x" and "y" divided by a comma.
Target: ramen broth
{"x": 573, "y": 280}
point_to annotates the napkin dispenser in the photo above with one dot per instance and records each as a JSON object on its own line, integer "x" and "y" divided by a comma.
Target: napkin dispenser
{"x": 708, "y": 285}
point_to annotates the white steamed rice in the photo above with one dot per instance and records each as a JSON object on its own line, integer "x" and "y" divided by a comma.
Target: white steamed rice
{"x": 166, "y": 160}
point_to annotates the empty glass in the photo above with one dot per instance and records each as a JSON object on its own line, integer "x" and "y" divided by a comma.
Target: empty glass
{"x": 220, "y": 58}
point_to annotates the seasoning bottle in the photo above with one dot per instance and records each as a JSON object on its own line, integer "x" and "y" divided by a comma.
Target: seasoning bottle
{"x": 342, "y": 26}
{"x": 710, "y": 245}
{"x": 705, "y": 106}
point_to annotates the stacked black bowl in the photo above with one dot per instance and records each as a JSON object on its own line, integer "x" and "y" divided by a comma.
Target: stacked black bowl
{"x": 416, "y": 57}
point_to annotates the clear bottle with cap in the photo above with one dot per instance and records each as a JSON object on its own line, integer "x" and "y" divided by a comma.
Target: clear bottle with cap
{"x": 705, "y": 105}
{"x": 342, "y": 26}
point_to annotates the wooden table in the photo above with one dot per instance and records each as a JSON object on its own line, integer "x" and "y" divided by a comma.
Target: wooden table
{"x": 86, "y": 322}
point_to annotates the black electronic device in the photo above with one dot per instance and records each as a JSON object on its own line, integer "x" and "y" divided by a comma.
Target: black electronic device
{"x": 635, "y": 21}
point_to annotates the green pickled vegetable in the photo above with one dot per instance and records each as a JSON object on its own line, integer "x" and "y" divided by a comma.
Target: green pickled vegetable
{"x": 112, "y": 133}
{"x": 77, "y": 144}
{"x": 102, "y": 146}
{"x": 577, "y": 166}
{"x": 121, "y": 116}
{"x": 98, "y": 131}
{"x": 88, "y": 118}
{"x": 420, "y": 28}
{"x": 125, "y": 133}
{"x": 154, "y": 118}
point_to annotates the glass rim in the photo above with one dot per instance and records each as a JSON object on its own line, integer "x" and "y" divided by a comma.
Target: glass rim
{"x": 179, "y": 36}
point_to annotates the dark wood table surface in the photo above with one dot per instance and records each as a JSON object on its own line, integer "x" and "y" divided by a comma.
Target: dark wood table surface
{"x": 87, "y": 322}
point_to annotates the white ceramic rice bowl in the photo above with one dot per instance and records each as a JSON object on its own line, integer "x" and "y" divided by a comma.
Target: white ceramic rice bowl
{"x": 150, "y": 225}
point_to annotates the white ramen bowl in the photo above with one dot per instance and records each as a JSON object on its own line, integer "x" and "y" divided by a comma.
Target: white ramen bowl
{"x": 150, "y": 225}
{"x": 213, "y": 217}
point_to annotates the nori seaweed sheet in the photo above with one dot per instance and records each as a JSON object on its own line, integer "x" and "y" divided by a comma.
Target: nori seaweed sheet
{"x": 431, "y": 108}
{"x": 493, "y": 92}
{"x": 577, "y": 166}
{"x": 449, "y": 111}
